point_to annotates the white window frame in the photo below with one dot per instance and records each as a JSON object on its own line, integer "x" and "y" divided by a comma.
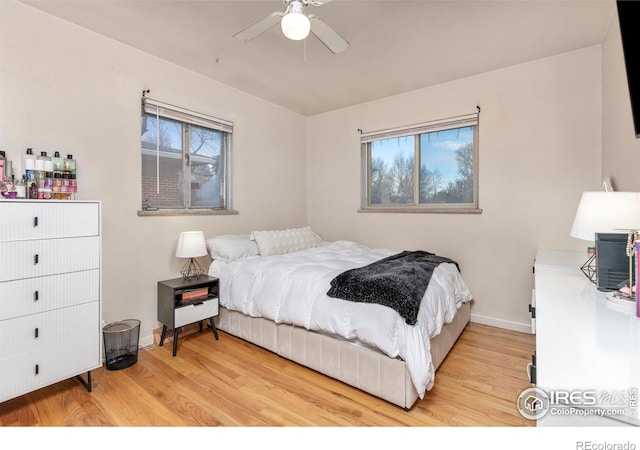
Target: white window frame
{"x": 366, "y": 138}
{"x": 187, "y": 118}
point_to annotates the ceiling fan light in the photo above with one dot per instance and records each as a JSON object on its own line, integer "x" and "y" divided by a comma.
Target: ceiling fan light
{"x": 295, "y": 26}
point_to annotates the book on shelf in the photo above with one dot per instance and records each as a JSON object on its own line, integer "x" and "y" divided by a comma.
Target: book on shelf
{"x": 194, "y": 294}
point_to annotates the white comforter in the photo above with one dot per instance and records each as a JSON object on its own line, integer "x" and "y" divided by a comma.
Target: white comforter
{"x": 291, "y": 288}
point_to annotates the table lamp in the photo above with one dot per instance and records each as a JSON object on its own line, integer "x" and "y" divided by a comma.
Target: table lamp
{"x": 191, "y": 244}
{"x": 605, "y": 212}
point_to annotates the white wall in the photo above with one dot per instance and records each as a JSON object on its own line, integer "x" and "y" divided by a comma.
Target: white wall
{"x": 68, "y": 89}
{"x": 620, "y": 148}
{"x": 539, "y": 150}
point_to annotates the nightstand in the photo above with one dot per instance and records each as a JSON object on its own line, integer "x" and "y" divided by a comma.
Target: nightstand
{"x": 181, "y": 302}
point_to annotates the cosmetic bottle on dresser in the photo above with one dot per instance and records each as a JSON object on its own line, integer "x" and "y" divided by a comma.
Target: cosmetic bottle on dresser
{"x": 70, "y": 164}
{"x": 40, "y": 174}
{"x": 29, "y": 164}
{"x": 48, "y": 186}
{"x": 70, "y": 168}
{"x": 32, "y": 190}
{"x": 21, "y": 188}
{"x": 3, "y": 162}
{"x": 57, "y": 182}
{"x": 73, "y": 185}
{"x": 58, "y": 163}
{"x": 48, "y": 166}
{"x": 65, "y": 182}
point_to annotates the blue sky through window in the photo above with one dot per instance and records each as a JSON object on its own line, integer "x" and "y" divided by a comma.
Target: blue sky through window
{"x": 437, "y": 150}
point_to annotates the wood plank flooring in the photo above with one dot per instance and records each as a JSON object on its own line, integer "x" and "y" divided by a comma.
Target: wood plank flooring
{"x": 233, "y": 383}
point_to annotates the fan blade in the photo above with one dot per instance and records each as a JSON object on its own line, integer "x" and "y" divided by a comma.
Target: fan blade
{"x": 259, "y": 27}
{"x": 327, "y": 35}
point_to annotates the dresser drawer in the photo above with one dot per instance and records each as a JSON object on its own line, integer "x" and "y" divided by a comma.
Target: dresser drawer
{"x": 35, "y": 295}
{"x": 185, "y": 315}
{"x": 27, "y": 259}
{"x": 61, "y": 331}
{"x": 24, "y": 220}
{"x": 76, "y": 351}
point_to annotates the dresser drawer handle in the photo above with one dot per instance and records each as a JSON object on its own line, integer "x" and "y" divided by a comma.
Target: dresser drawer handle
{"x": 36, "y": 296}
{"x": 35, "y": 221}
{"x": 37, "y": 369}
{"x": 36, "y": 333}
{"x": 35, "y": 259}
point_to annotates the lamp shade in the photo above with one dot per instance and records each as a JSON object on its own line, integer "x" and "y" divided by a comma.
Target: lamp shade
{"x": 191, "y": 244}
{"x": 606, "y": 212}
{"x": 295, "y": 26}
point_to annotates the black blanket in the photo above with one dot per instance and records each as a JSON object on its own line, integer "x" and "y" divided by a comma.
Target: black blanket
{"x": 398, "y": 282}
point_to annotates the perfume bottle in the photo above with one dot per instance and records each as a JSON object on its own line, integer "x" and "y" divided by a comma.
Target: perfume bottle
{"x": 48, "y": 164}
{"x": 58, "y": 163}
{"x": 65, "y": 182}
{"x": 3, "y": 162}
{"x": 40, "y": 167}
{"x": 70, "y": 164}
{"x": 29, "y": 163}
{"x": 48, "y": 186}
{"x": 33, "y": 190}
{"x": 57, "y": 182}
{"x": 21, "y": 188}
{"x": 39, "y": 183}
{"x": 73, "y": 184}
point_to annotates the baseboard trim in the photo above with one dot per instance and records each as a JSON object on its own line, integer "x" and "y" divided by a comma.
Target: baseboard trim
{"x": 146, "y": 341}
{"x": 501, "y": 323}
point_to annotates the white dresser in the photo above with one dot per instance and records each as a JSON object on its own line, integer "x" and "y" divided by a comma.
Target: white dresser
{"x": 587, "y": 347}
{"x": 50, "y": 314}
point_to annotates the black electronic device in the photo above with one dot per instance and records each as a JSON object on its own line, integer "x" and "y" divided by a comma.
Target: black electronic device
{"x": 612, "y": 262}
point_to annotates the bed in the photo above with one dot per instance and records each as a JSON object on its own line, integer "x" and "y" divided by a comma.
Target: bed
{"x": 274, "y": 289}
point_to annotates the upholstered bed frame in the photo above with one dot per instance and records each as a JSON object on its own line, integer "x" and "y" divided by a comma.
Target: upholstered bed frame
{"x": 356, "y": 365}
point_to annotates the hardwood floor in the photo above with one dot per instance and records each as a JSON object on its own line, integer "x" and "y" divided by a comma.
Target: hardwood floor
{"x": 234, "y": 383}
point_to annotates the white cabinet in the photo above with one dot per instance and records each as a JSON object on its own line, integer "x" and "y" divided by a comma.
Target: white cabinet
{"x": 50, "y": 311}
{"x": 587, "y": 347}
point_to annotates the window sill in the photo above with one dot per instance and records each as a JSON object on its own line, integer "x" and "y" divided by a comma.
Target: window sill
{"x": 187, "y": 212}
{"x": 422, "y": 210}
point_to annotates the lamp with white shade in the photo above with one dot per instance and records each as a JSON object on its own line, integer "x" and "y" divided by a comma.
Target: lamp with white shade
{"x": 605, "y": 212}
{"x": 191, "y": 244}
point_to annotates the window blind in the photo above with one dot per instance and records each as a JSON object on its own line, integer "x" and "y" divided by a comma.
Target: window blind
{"x": 425, "y": 127}
{"x": 167, "y": 111}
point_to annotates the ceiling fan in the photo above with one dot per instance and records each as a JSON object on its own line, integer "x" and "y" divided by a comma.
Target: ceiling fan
{"x": 296, "y": 25}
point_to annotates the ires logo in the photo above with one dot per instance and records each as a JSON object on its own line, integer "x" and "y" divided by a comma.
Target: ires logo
{"x": 534, "y": 403}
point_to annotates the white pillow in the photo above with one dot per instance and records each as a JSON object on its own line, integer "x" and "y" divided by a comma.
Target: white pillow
{"x": 277, "y": 242}
{"x": 230, "y": 247}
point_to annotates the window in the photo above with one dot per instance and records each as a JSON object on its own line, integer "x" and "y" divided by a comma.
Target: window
{"x": 186, "y": 159}
{"x": 430, "y": 167}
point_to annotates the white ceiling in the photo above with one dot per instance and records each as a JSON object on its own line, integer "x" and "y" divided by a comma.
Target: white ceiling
{"x": 396, "y": 46}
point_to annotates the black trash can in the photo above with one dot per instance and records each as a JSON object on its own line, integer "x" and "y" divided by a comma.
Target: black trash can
{"x": 121, "y": 343}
